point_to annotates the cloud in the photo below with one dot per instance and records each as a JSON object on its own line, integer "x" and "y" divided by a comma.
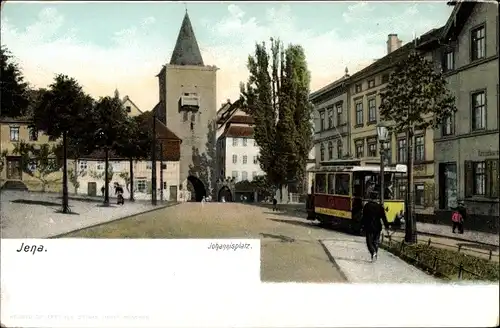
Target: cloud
{"x": 46, "y": 48}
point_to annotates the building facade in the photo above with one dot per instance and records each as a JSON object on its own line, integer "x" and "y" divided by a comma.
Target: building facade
{"x": 187, "y": 106}
{"x": 467, "y": 145}
{"x": 12, "y": 133}
{"x": 331, "y": 121}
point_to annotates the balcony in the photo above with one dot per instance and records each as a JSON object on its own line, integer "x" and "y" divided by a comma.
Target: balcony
{"x": 189, "y": 102}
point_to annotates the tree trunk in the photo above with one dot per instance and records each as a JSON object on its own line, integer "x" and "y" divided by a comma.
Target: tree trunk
{"x": 75, "y": 183}
{"x": 131, "y": 166}
{"x": 65, "y": 204}
{"x": 106, "y": 182}
{"x": 280, "y": 186}
{"x": 410, "y": 224}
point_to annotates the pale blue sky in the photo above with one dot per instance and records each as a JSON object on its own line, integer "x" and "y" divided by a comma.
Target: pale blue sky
{"x": 127, "y": 43}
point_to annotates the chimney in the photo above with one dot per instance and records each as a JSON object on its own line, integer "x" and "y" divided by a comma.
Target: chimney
{"x": 393, "y": 43}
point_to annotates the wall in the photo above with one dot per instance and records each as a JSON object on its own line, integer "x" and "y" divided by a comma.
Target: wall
{"x": 134, "y": 110}
{"x": 251, "y": 150}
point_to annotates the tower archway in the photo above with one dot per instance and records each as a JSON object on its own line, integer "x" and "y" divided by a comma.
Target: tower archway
{"x": 199, "y": 188}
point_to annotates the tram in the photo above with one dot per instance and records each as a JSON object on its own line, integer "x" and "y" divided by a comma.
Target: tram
{"x": 341, "y": 188}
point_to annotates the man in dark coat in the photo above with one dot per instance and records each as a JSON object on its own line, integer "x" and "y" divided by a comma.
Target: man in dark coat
{"x": 373, "y": 216}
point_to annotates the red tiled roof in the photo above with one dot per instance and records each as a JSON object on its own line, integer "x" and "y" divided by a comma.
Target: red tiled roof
{"x": 242, "y": 119}
{"x": 171, "y": 153}
{"x": 238, "y": 131}
{"x": 162, "y": 132}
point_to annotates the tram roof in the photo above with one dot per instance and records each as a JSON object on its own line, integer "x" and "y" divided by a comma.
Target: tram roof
{"x": 399, "y": 168}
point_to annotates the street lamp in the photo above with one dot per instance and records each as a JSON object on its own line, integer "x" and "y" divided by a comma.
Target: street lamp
{"x": 382, "y": 133}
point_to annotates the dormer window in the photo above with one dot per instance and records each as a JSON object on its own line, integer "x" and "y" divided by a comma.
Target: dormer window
{"x": 128, "y": 109}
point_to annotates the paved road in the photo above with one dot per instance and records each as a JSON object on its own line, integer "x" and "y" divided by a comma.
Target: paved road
{"x": 292, "y": 248}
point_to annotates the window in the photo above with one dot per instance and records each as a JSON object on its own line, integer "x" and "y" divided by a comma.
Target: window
{"x": 478, "y": 111}
{"x": 401, "y": 189}
{"x": 358, "y": 88}
{"x": 385, "y": 78}
{"x": 14, "y": 133}
{"x": 235, "y": 159}
{"x": 419, "y": 148}
{"x": 32, "y": 165}
{"x": 164, "y": 166}
{"x": 82, "y": 165}
{"x": 244, "y": 142}
{"x": 234, "y": 174}
{"x": 128, "y": 109}
{"x": 401, "y": 150}
{"x": 478, "y": 43}
{"x": 164, "y": 185}
{"x": 255, "y": 143}
{"x": 342, "y": 182}
{"x": 330, "y": 150}
{"x": 359, "y": 113}
{"x": 371, "y": 83}
{"x": 330, "y": 118}
{"x": 372, "y": 110}
{"x": 388, "y": 151}
{"x": 360, "y": 149}
{"x": 447, "y": 126}
{"x": 479, "y": 172}
{"x": 33, "y": 134}
{"x": 255, "y": 159}
{"x": 419, "y": 194}
{"x": 320, "y": 182}
{"x": 184, "y": 116}
{"x": 322, "y": 121}
{"x": 339, "y": 149}
{"x": 254, "y": 174}
{"x": 244, "y": 159}
{"x": 100, "y": 166}
{"x": 235, "y": 141}
{"x": 331, "y": 184}
{"x": 52, "y": 163}
{"x": 372, "y": 149}
{"x": 449, "y": 61}
{"x": 141, "y": 185}
{"x": 244, "y": 176}
{"x": 322, "y": 152}
{"x": 339, "y": 114}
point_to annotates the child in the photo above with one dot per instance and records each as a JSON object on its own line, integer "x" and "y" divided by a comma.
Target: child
{"x": 275, "y": 203}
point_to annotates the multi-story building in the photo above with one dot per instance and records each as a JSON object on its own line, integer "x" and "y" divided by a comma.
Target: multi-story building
{"x": 467, "y": 145}
{"x": 12, "y": 132}
{"x": 331, "y": 121}
{"x": 365, "y": 88}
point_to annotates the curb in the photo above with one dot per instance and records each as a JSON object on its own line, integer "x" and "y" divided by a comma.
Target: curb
{"x": 112, "y": 221}
{"x": 332, "y": 260}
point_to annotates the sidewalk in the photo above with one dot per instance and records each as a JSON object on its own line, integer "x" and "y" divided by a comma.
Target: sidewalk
{"x": 445, "y": 231}
{"x": 353, "y": 259}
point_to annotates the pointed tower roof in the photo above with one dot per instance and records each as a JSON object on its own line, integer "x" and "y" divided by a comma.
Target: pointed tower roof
{"x": 186, "y": 51}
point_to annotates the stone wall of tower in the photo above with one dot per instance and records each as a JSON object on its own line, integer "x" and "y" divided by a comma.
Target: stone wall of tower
{"x": 201, "y": 80}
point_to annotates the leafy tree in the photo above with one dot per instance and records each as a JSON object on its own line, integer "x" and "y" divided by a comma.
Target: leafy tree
{"x": 39, "y": 161}
{"x": 64, "y": 110}
{"x": 73, "y": 175}
{"x": 14, "y": 90}
{"x": 263, "y": 186}
{"x": 102, "y": 175}
{"x": 110, "y": 118}
{"x": 3, "y": 159}
{"x": 134, "y": 143}
{"x": 416, "y": 98}
{"x": 276, "y": 96}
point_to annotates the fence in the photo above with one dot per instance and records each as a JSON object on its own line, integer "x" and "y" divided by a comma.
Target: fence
{"x": 422, "y": 259}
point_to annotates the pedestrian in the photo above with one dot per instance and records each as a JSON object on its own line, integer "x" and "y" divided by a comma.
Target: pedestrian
{"x": 102, "y": 191}
{"x": 373, "y": 216}
{"x": 119, "y": 194}
{"x": 275, "y": 204}
{"x": 458, "y": 217}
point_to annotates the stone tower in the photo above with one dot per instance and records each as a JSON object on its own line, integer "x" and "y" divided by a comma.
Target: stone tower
{"x": 187, "y": 106}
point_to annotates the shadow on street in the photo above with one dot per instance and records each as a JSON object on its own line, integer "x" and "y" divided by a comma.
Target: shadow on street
{"x": 35, "y": 202}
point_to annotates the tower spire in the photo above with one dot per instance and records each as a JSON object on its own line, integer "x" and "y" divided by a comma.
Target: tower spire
{"x": 186, "y": 50}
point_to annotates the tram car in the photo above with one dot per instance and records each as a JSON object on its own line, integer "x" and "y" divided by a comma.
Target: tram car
{"x": 341, "y": 188}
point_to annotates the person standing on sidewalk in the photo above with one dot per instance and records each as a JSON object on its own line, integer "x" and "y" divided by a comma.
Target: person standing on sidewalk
{"x": 458, "y": 217}
{"x": 373, "y": 216}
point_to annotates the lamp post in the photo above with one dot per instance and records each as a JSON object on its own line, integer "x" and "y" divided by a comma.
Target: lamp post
{"x": 382, "y": 133}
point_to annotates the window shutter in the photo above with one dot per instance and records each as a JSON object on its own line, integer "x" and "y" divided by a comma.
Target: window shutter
{"x": 492, "y": 178}
{"x": 149, "y": 186}
{"x": 429, "y": 194}
{"x": 487, "y": 191}
{"x": 469, "y": 179}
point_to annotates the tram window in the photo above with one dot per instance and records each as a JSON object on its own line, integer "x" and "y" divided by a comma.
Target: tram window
{"x": 342, "y": 182}
{"x": 358, "y": 188}
{"x": 320, "y": 183}
{"x": 331, "y": 184}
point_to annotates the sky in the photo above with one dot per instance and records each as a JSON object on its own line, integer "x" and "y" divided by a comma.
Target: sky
{"x": 109, "y": 45}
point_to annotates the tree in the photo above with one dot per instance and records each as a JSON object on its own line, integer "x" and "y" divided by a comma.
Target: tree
{"x": 276, "y": 96}
{"x": 64, "y": 111}
{"x": 134, "y": 143}
{"x": 3, "y": 159}
{"x": 39, "y": 161}
{"x": 14, "y": 90}
{"x": 416, "y": 98}
{"x": 263, "y": 186}
{"x": 110, "y": 119}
